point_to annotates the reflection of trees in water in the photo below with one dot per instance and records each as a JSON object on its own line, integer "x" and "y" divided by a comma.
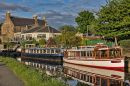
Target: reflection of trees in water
{"x": 81, "y": 84}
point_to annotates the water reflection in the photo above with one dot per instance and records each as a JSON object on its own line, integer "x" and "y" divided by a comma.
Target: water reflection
{"x": 76, "y": 75}
{"x": 93, "y": 76}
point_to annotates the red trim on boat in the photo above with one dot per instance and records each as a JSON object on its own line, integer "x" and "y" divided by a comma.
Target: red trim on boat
{"x": 119, "y": 60}
{"x": 121, "y": 69}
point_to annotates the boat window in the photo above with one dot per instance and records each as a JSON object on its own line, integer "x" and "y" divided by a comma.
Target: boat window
{"x": 112, "y": 54}
{"x": 87, "y": 54}
{"x": 48, "y": 51}
{"x": 87, "y": 78}
{"x": 103, "y": 53}
{"x": 31, "y": 51}
{"x": 90, "y": 53}
{"x": 57, "y": 51}
{"x": 115, "y": 83}
{"x": 104, "y": 82}
{"x": 37, "y": 51}
{"x": 69, "y": 54}
{"x": 40, "y": 51}
{"x": 44, "y": 51}
{"x": 90, "y": 77}
{"x": 115, "y": 53}
{"x": 34, "y": 51}
{"x": 97, "y": 81}
{"x": 52, "y": 51}
{"x": 83, "y": 53}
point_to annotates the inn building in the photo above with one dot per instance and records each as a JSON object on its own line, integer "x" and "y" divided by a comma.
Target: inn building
{"x": 17, "y": 28}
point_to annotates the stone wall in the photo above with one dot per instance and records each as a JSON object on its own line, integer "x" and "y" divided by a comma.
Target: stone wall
{"x": 7, "y": 29}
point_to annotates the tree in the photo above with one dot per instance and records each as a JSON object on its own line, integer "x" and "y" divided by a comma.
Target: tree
{"x": 114, "y": 19}
{"x": 42, "y": 41}
{"x": 67, "y": 28}
{"x": 24, "y": 42}
{"x": 67, "y": 37}
{"x": 75, "y": 41}
{"x": 84, "y": 19}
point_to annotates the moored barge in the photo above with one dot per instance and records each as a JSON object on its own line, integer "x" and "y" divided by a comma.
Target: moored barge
{"x": 43, "y": 55}
{"x": 99, "y": 56}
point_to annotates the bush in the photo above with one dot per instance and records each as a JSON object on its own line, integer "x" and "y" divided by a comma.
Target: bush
{"x": 93, "y": 42}
{"x": 30, "y": 76}
{"x": 125, "y": 43}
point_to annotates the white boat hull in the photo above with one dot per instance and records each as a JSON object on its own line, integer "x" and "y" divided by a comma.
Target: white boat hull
{"x": 111, "y": 64}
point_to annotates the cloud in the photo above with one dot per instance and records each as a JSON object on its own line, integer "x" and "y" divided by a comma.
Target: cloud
{"x": 55, "y": 18}
{"x": 56, "y": 3}
{"x": 57, "y": 12}
{"x": 13, "y": 7}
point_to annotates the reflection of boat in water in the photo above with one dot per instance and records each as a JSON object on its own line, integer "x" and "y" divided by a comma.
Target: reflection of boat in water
{"x": 94, "y": 76}
{"x": 99, "y": 56}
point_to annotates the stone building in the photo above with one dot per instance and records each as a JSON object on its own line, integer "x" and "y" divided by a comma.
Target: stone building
{"x": 13, "y": 25}
{"x": 15, "y": 29}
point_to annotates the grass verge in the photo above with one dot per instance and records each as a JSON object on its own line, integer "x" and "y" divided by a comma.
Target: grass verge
{"x": 30, "y": 76}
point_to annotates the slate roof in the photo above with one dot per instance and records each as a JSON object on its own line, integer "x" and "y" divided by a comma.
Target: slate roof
{"x": 17, "y": 21}
{"x": 41, "y": 29}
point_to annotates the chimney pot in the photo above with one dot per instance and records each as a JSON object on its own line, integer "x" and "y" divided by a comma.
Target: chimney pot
{"x": 35, "y": 17}
{"x": 8, "y": 14}
{"x": 44, "y": 20}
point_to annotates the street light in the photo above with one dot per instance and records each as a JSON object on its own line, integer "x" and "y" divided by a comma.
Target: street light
{"x": 87, "y": 29}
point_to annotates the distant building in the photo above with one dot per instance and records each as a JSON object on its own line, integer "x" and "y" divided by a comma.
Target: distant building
{"x": 16, "y": 28}
{"x": 88, "y": 36}
{"x": 39, "y": 32}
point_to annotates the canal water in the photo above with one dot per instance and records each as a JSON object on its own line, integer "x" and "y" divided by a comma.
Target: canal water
{"x": 75, "y": 75}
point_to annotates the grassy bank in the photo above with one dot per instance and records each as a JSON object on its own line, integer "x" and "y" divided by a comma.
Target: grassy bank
{"x": 30, "y": 76}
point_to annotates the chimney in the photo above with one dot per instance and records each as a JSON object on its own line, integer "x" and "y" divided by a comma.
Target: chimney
{"x": 44, "y": 22}
{"x": 7, "y": 15}
{"x": 35, "y": 20}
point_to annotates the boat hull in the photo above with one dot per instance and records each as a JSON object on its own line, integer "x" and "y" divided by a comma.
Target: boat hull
{"x": 42, "y": 58}
{"x": 117, "y": 65}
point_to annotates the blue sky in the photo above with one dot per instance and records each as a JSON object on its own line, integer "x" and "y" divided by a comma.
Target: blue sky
{"x": 57, "y": 12}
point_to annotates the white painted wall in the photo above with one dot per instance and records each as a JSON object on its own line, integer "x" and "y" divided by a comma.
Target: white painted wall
{"x": 35, "y": 34}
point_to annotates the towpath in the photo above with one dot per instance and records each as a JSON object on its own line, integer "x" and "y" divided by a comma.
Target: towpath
{"x": 8, "y": 78}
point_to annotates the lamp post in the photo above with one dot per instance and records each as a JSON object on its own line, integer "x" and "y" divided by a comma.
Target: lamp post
{"x": 87, "y": 29}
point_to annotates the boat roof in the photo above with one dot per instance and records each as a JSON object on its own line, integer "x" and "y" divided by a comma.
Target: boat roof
{"x": 36, "y": 48}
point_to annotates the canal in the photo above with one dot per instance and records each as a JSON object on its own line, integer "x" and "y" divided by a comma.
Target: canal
{"x": 75, "y": 75}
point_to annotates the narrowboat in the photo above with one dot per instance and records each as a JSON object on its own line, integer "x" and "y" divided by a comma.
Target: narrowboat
{"x": 43, "y": 55}
{"x": 98, "y": 56}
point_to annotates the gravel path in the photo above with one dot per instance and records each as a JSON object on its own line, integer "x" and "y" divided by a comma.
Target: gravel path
{"x": 8, "y": 78}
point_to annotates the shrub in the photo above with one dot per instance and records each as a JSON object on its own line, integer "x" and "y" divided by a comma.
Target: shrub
{"x": 125, "y": 43}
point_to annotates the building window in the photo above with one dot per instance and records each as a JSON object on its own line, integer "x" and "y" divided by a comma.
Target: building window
{"x": 29, "y": 37}
{"x": 41, "y": 36}
{"x": 22, "y": 36}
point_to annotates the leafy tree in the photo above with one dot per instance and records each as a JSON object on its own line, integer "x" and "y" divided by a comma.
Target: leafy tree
{"x": 33, "y": 41}
{"x": 58, "y": 40}
{"x": 66, "y": 28}
{"x": 42, "y": 42}
{"x": 67, "y": 37}
{"x": 24, "y": 42}
{"x": 114, "y": 19}
{"x": 75, "y": 41}
{"x": 84, "y": 19}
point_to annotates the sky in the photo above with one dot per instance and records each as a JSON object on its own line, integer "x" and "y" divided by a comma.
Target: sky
{"x": 57, "y": 12}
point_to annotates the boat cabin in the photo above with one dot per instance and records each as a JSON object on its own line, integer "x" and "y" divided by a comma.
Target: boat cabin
{"x": 99, "y": 51}
{"x": 44, "y": 50}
